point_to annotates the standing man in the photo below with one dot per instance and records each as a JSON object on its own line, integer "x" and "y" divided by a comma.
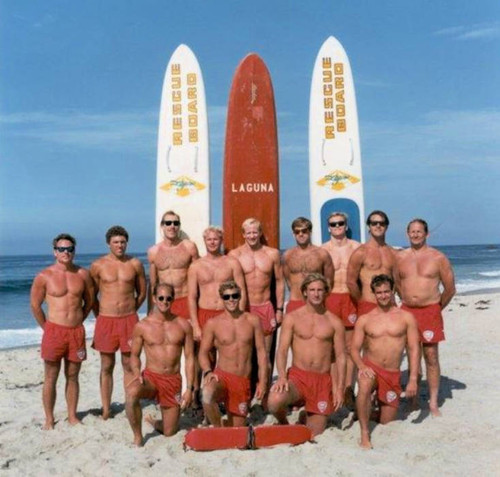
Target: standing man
{"x": 421, "y": 270}
{"x": 339, "y": 301}
{"x": 169, "y": 261}
{"x": 382, "y": 334}
{"x": 163, "y": 337}
{"x": 303, "y": 259}
{"x": 313, "y": 333}
{"x": 67, "y": 290}
{"x": 234, "y": 333}
{"x": 120, "y": 290}
{"x": 204, "y": 278}
{"x": 372, "y": 258}
{"x": 260, "y": 265}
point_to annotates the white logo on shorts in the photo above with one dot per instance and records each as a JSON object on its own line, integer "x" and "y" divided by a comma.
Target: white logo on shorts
{"x": 242, "y": 406}
{"x": 428, "y": 335}
{"x": 178, "y": 398}
{"x": 273, "y": 322}
{"x": 129, "y": 342}
{"x": 322, "y": 405}
{"x": 352, "y": 318}
{"x": 80, "y": 354}
{"x": 391, "y": 396}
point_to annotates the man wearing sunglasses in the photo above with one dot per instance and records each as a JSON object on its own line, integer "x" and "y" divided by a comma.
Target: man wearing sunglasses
{"x": 420, "y": 271}
{"x": 164, "y": 337}
{"x": 372, "y": 258}
{"x": 261, "y": 264}
{"x": 169, "y": 262}
{"x": 120, "y": 289}
{"x": 314, "y": 334}
{"x": 68, "y": 291}
{"x": 303, "y": 259}
{"x": 339, "y": 301}
{"x": 233, "y": 333}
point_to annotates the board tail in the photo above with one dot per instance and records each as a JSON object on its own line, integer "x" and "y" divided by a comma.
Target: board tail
{"x": 268, "y": 436}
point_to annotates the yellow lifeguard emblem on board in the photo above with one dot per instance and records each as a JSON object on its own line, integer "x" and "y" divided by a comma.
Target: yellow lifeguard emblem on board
{"x": 182, "y": 186}
{"x": 337, "y": 180}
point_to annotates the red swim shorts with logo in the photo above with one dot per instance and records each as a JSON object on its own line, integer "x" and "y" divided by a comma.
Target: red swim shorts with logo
{"x": 168, "y": 387}
{"x": 315, "y": 389}
{"x": 61, "y": 341}
{"x": 293, "y": 305}
{"x": 341, "y": 304}
{"x": 236, "y": 392}
{"x": 365, "y": 307}
{"x": 388, "y": 384}
{"x": 114, "y": 332}
{"x": 204, "y": 315}
{"x": 266, "y": 315}
{"x": 180, "y": 307}
{"x": 429, "y": 321}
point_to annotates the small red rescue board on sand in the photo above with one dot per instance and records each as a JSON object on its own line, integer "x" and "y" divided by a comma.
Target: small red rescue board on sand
{"x": 217, "y": 438}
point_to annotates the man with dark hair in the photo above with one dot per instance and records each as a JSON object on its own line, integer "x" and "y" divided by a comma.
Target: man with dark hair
{"x": 382, "y": 335}
{"x": 303, "y": 259}
{"x": 164, "y": 337}
{"x": 233, "y": 333}
{"x": 420, "y": 271}
{"x": 372, "y": 258}
{"x": 120, "y": 289}
{"x": 314, "y": 334}
{"x": 67, "y": 290}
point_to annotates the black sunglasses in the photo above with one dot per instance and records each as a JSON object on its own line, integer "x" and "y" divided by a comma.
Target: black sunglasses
{"x": 162, "y": 298}
{"x": 171, "y": 222}
{"x": 337, "y": 224}
{"x": 234, "y": 296}
{"x": 69, "y": 249}
{"x": 382, "y": 223}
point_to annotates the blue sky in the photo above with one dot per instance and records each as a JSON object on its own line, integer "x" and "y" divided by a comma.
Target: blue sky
{"x": 80, "y": 87}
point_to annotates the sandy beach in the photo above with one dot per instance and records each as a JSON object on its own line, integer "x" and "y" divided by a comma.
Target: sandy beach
{"x": 465, "y": 441}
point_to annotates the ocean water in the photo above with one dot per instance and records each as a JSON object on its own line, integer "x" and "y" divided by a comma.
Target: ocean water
{"x": 477, "y": 269}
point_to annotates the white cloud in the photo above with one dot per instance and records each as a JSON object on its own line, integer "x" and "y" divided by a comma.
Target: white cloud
{"x": 478, "y": 31}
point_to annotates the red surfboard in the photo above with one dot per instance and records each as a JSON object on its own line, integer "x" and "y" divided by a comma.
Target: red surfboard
{"x": 217, "y": 438}
{"x": 251, "y": 172}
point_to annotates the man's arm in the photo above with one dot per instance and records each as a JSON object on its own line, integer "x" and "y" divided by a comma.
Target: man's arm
{"x": 88, "y": 293}
{"x": 192, "y": 280}
{"x": 353, "y": 269}
{"x": 280, "y": 287}
{"x": 140, "y": 284}
{"x": 286, "y": 268}
{"x": 282, "y": 354}
{"x": 328, "y": 268}
{"x": 135, "y": 352}
{"x": 262, "y": 360}
{"x": 193, "y": 250}
{"x": 340, "y": 361}
{"x": 239, "y": 278}
{"x": 413, "y": 346}
{"x": 207, "y": 343}
{"x": 94, "y": 275}
{"x": 448, "y": 281}
{"x": 37, "y": 295}
{"x": 358, "y": 338}
{"x": 187, "y": 397}
{"x": 153, "y": 276}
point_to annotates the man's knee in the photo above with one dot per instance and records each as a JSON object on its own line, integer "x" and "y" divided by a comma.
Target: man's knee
{"x": 431, "y": 355}
{"x": 276, "y": 401}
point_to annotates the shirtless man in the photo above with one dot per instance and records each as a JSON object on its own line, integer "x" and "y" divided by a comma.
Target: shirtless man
{"x": 383, "y": 334}
{"x": 233, "y": 333}
{"x": 420, "y": 270}
{"x": 339, "y": 302}
{"x": 204, "y": 277}
{"x": 120, "y": 290}
{"x": 68, "y": 291}
{"x": 372, "y": 258}
{"x": 303, "y": 259}
{"x": 169, "y": 261}
{"x": 163, "y": 337}
{"x": 313, "y": 333}
{"x": 260, "y": 265}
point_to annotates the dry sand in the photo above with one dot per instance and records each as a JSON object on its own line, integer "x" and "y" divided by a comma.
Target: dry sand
{"x": 465, "y": 441}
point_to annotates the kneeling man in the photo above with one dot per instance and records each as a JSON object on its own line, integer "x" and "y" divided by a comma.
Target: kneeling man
{"x": 233, "y": 333}
{"x": 313, "y": 333}
{"x": 163, "y": 336}
{"x": 383, "y": 334}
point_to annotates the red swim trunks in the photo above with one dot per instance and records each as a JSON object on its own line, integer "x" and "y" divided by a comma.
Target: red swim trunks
{"x": 236, "y": 392}
{"x": 61, "y": 341}
{"x": 180, "y": 307}
{"x": 293, "y": 305}
{"x": 205, "y": 315}
{"x": 315, "y": 389}
{"x": 365, "y": 307}
{"x": 114, "y": 332}
{"x": 266, "y": 315}
{"x": 429, "y": 321}
{"x": 388, "y": 384}
{"x": 341, "y": 304}
{"x": 168, "y": 387}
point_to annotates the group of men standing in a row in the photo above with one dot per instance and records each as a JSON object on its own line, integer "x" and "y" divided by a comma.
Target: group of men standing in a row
{"x": 341, "y": 315}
